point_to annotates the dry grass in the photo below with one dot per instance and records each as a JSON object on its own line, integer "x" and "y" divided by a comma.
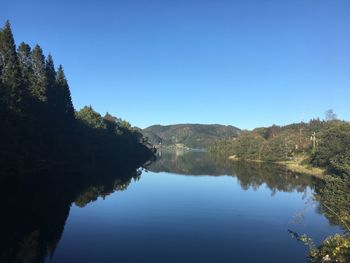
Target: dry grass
{"x": 295, "y": 165}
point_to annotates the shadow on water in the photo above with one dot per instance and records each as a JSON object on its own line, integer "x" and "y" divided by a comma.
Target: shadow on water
{"x": 34, "y": 211}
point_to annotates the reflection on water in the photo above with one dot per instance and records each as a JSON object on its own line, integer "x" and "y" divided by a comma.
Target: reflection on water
{"x": 36, "y": 210}
{"x": 221, "y": 211}
{"x": 249, "y": 174}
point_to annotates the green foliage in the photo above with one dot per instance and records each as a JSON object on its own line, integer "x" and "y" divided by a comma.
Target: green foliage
{"x": 110, "y": 122}
{"x": 39, "y": 85}
{"x": 91, "y": 118}
{"x": 124, "y": 125}
{"x": 267, "y": 144}
{"x": 275, "y": 143}
{"x": 333, "y": 143}
{"x": 25, "y": 62}
{"x": 335, "y": 248}
{"x": 64, "y": 100}
{"x": 51, "y": 82}
{"x": 248, "y": 146}
{"x": 197, "y": 136}
{"x": 39, "y": 128}
{"x": 341, "y": 163}
{"x": 10, "y": 74}
{"x": 334, "y": 197}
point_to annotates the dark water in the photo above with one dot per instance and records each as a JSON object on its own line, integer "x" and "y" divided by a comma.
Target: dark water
{"x": 184, "y": 208}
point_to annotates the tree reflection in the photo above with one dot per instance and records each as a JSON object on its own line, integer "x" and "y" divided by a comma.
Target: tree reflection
{"x": 35, "y": 210}
{"x": 249, "y": 174}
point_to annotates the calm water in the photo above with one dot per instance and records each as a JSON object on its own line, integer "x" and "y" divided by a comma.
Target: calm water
{"x": 189, "y": 208}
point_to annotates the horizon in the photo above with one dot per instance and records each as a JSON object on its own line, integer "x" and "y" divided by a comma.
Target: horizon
{"x": 244, "y": 64}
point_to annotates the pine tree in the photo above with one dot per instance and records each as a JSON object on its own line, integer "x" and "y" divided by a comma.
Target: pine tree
{"x": 25, "y": 63}
{"x": 2, "y": 89}
{"x": 10, "y": 74}
{"x": 51, "y": 81}
{"x": 65, "y": 104}
{"x": 39, "y": 81}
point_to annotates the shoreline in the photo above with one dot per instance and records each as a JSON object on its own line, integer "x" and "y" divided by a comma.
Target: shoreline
{"x": 293, "y": 165}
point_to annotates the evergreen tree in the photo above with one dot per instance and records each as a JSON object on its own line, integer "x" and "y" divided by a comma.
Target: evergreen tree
{"x": 38, "y": 124}
{"x": 10, "y": 74}
{"x": 65, "y": 104}
{"x": 2, "y": 89}
{"x": 39, "y": 83}
{"x": 25, "y": 62}
{"x": 51, "y": 81}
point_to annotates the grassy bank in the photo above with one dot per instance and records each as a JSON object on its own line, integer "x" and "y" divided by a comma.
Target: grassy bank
{"x": 296, "y": 165}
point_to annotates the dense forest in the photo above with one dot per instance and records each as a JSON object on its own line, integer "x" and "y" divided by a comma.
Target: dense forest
{"x": 194, "y": 136}
{"x": 323, "y": 144}
{"x": 40, "y": 129}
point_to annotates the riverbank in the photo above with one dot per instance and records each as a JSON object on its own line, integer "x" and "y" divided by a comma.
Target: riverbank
{"x": 295, "y": 165}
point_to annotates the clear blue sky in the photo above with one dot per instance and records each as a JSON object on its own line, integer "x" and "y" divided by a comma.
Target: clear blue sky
{"x": 247, "y": 63}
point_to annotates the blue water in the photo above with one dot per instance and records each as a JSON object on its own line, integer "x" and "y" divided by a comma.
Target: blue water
{"x": 169, "y": 217}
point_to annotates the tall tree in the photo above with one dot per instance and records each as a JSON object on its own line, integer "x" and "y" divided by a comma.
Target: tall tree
{"x": 10, "y": 74}
{"x": 25, "y": 62}
{"x": 51, "y": 82}
{"x": 65, "y": 104}
{"x": 39, "y": 83}
{"x": 2, "y": 89}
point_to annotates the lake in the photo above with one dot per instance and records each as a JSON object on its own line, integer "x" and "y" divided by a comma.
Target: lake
{"x": 184, "y": 207}
{"x": 188, "y": 209}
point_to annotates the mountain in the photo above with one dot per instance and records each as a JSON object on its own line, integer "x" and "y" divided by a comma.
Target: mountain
{"x": 197, "y": 136}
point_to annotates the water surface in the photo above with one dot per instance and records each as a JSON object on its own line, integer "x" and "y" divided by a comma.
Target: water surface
{"x": 187, "y": 207}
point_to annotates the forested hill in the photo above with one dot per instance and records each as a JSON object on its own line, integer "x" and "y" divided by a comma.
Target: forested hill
{"x": 40, "y": 129}
{"x": 197, "y": 136}
{"x": 324, "y": 144}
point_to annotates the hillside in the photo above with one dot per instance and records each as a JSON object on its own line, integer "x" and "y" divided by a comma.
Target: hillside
{"x": 198, "y": 136}
{"x": 322, "y": 144}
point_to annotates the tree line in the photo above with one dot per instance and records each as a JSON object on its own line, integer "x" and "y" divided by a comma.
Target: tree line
{"x": 40, "y": 128}
{"x": 318, "y": 143}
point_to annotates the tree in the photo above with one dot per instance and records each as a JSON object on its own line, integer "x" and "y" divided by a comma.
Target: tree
{"x": 65, "y": 104}
{"x": 51, "y": 82}
{"x": 25, "y": 62}
{"x": 341, "y": 164}
{"x": 333, "y": 144}
{"x": 330, "y": 115}
{"x": 91, "y": 118}
{"x": 39, "y": 83}
{"x": 38, "y": 126}
{"x": 111, "y": 122}
{"x": 10, "y": 74}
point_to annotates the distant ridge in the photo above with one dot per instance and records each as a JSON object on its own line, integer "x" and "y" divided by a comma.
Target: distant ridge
{"x": 197, "y": 136}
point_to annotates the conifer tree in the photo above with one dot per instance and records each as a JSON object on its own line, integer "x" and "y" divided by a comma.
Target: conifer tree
{"x": 3, "y": 106}
{"x": 51, "y": 82}
{"x": 65, "y": 104}
{"x": 25, "y": 62}
{"x": 10, "y": 74}
{"x": 39, "y": 81}
{"x": 2, "y": 89}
